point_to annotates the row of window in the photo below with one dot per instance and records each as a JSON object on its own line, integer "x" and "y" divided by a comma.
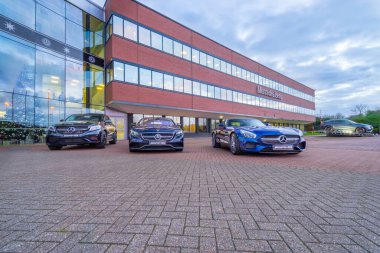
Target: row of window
{"x": 59, "y": 20}
{"x": 146, "y": 77}
{"x": 137, "y": 33}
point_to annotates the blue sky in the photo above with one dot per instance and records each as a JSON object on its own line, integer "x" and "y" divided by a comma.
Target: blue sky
{"x": 332, "y": 46}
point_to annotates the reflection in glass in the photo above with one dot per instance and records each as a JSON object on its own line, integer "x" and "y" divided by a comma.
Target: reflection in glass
{"x": 74, "y": 35}
{"x": 177, "y": 49}
{"x": 75, "y": 88}
{"x": 130, "y": 30}
{"x": 156, "y": 41}
{"x": 178, "y": 84}
{"x": 118, "y": 71}
{"x": 168, "y": 82}
{"x": 187, "y": 86}
{"x": 117, "y": 25}
{"x": 50, "y": 76}
{"x": 131, "y": 74}
{"x": 50, "y": 23}
{"x": 157, "y": 80}
{"x": 196, "y": 88}
{"x": 144, "y": 36}
{"x": 145, "y": 77}
{"x": 168, "y": 45}
{"x": 20, "y": 11}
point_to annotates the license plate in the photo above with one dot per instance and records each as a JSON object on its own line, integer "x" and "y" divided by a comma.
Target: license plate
{"x": 157, "y": 142}
{"x": 71, "y": 135}
{"x": 282, "y": 147}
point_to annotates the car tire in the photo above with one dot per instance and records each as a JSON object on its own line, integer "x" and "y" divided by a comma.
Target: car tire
{"x": 179, "y": 150}
{"x": 103, "y": 141}
{"x": 51, "y": 147}
{"x": 215, "y": 144}
{"x": 235, "y": 145}
{"x": 114, "y": 139}
{"x": 360, "y": 131}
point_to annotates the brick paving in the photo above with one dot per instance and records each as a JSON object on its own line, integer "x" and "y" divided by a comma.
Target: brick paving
{"x": 326, "y": 199}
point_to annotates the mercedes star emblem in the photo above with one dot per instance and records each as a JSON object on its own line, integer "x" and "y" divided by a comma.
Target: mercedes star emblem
{"x": 282, "y": 139}
{"x": 71, "y": 129}
{"x": 157, "y": 137}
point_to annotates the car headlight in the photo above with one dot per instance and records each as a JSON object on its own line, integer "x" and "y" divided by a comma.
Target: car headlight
{"x": 179, "y": 134}
{"x": 52, "y": 129}
{"x": 135, "y": 134}
{"x": 247, "y": 134}
{"x": 94, "y": 128}
{"x": 299, "y": 132}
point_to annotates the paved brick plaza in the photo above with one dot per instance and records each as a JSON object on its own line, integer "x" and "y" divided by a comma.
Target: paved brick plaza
{"x": 326, "y": 199}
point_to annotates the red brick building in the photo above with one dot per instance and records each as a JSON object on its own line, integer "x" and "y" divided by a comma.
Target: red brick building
{"x": 156, "y": 66}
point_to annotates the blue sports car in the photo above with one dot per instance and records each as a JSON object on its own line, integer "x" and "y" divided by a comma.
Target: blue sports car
{"x": 156, "y": 134}
{"x": 251, "y": 135}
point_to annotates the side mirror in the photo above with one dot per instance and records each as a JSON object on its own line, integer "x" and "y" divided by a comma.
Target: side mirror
{"x": 61, "y": 120}
{"x": 221, "y": 126}
{"x": 108, "y": 121}
{"x": 133, "y": 124}
{"x": 267, "y": 124}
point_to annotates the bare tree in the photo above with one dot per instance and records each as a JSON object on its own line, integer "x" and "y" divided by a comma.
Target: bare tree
{"x": 339, "y": 116}
{"x": 360, "y": 109}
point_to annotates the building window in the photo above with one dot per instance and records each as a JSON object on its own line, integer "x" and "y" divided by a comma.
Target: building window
{"x": 168, "y": 82}
{"x": 50, "y": 23}
{"x": 186, "y": 53}
{"x": 130, "y": 30}
{"x": 203, "y": 59}
{"x": 117, "y": 26}
{"x": 145, "y": 77}
{"x": 156, "y": 41}
{"x": 189, "y": 125}
{"x": 203, "y": 90}
{"x": 24, "y": 15}
{"x": 187, "y": 86}
{"x": 74, "y": 35}
{"x": 144, "y": 36}
{"x": 118, "y": 73}
{"x": 202, "y": 125}
{"x": 195, "y": 55}
{"x": 217, "y": 93}
{"x": 177, "y": 49}
{"x": 178, "y": 84}
{"x": 131, "y": 74}
{"x": 158, "y": 80}
{"x": 210, "y": 91}
{"x": 223, "y": 94}
{"x": 216, "y": 64}
{"x": 210, "y": 61}
{"x": 168, "y": 45}
{"x": 196, "y": 88}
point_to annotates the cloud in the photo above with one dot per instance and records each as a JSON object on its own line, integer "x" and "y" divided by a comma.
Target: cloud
{"x": 329, "y": 46}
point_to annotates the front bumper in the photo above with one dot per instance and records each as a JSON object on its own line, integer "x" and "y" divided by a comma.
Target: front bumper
{"x": 141, "y": 144}
{"x": 56, "y": 139}
{"x": 251, "y": 145}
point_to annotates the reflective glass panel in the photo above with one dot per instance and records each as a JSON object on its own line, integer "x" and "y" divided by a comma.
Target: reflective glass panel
{"x": 178, "y": 84}
{"x": 168, "y": 45}
{"x": 186, "y": 52}
{"x": 196, "y": 88}
{"x": 21, "y": 11}
{"x": 195, "y": 55}
{"x": 130, "y": 30}
{"x": 187, "y": 86}
{"x": 177, "y": 49}
{"x": 156, "y": 41}
{"x": 144, "y": 36}
{"x": 75, "y": 87}
{"x": 203, "y": 90}
{"x": 168, "y": 82}
{"x": 50, "y": 23}
{"x": 145, "y": 77}
{"x": 117, "y": 25}
{"x": 158, "y": 80}
{"x": 118, "y": 73}
{"x": 57, "y": 6}
{"x": 74, "y": 35}
{"x": 131, "y": 74}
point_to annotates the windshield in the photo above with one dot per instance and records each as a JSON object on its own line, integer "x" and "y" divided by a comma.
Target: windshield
{"x": 85, "y": 117}
{"x": 156, "y": 122}
{"x": 245, "y": 123}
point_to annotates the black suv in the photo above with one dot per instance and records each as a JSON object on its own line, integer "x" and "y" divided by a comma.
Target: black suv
{"x": 80, "y": 129}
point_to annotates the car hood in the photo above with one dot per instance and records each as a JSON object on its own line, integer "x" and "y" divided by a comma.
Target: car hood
{"x": 75, "y": 123}
{"x": 155, "y": 129}
{"x": 268, "y": 130}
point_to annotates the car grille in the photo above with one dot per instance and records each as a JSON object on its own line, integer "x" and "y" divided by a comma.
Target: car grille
{"x": 275, "y": 139}
{"x": 151, "y": 136}
{"x": 78, "y": 129}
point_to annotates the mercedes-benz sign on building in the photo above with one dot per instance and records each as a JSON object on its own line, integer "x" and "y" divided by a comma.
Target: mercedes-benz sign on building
{"x": 125, "y": 59}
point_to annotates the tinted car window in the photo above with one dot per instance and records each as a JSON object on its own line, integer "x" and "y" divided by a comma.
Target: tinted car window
{"x": 85, "y": 117}
{"x": 149, "y": 122}
{"x": 245, "y": 123}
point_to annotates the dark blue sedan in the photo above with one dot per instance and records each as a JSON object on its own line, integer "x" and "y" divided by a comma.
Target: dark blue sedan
{"x": 251, "y": 135}
{"x": 156, "y": 134}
